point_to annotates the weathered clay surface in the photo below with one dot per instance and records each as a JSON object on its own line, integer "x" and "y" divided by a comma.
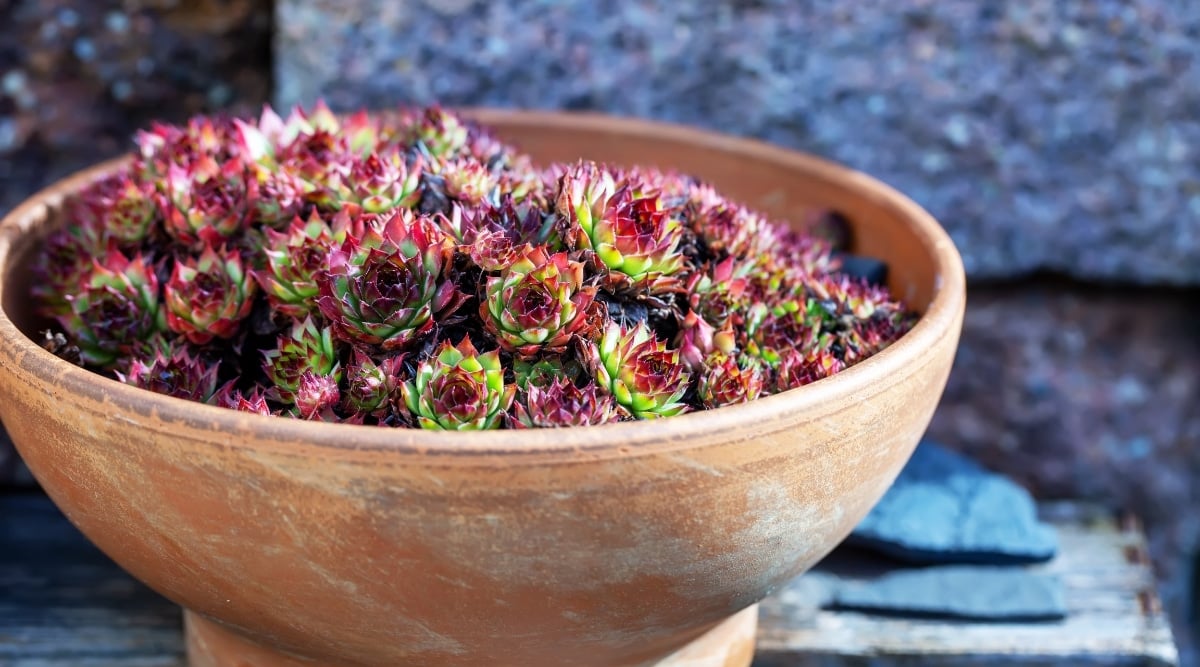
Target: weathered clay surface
{"x": 1090, "y": 394}
{"x": 607, "y": 545}
{"x": 78, "y": 77}
{"x": 1044, "y": 134}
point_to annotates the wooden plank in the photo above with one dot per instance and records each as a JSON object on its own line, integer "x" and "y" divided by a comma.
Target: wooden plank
{"x": 63, "y": 604}
{"x": 1114, "y": 617}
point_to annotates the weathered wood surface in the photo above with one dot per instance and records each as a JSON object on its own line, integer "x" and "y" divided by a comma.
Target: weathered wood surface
{"x": 1114, "y": 615}
{"x": 63, "y": 604}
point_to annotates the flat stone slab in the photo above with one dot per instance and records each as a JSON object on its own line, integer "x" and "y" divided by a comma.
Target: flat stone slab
{"x": 976, "y": 593}
{"x": 945, "y": 508}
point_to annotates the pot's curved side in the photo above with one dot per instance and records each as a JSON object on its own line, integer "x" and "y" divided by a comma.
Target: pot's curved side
{"x": 352, "y": 552}
{"x": 429, "y": 565}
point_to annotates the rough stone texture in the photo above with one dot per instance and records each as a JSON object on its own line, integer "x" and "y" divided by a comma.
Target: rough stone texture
{"x": 1080, "y": 393}
{"x": 78, "y": 77}
{"x": 1046, "y": 135}
{"x": 945, "y": 508}
{"x": 976, "y": 593}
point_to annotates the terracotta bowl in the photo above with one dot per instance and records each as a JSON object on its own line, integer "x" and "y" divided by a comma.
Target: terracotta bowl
{"x": 294, "y": 543}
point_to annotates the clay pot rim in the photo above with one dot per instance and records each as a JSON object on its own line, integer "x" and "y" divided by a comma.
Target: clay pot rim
{"x": 170, "y": 414}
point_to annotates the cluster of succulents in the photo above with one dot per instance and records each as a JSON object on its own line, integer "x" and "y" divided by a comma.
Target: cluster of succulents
{"x": 411, "y": 270}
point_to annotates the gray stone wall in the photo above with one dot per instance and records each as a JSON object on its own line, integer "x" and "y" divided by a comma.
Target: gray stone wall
{"x": 78, "y": 77}
{"x": 1046, "y": 135}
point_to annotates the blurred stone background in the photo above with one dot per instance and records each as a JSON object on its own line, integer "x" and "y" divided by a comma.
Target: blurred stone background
{"x": 1058, "y": 142}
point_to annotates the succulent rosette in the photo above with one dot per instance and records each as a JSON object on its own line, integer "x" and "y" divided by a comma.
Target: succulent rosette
{"x": 642, "y": 374}
{"x": 537, "y": 304}
{"x": 563, "y": 403}
{"x": 294, "y": 258}
{"x": 179, "y": 372}
{"x": 116, "y": 308}
{"x": 66, "y": 264}
{"x": 253, "y": 400}
{"x": 545, "y": 370}
{"x": 208, "y": 298}
{"x": 204, "y": 203}
{"x": 438, "y": 133}
{"x": 634, "y": 238}
{"x": 316, "y": 396}
{"x": 726, "y": 227}
{"x": 459, "y": 389}
{"x": 607, "y": 293}
{"x": 715, "y": 298}
{"x": 371, "y": 384}
{"x": 386, "y": 288}
{"x": 469, "y": 182}
{"x": 119, "y": 208}
{"x": 306, "y": 347}
{"x": 379, "y": 183}
{"x": 798, "y": 368}
{"x": 726, "y": 380}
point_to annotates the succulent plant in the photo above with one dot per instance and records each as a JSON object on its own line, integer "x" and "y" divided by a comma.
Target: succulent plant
{"x": 371, "y": 385}
{"x": 438, "y": 133}
{"x": 459, "y": 389}
{"x": 635, "y": 239}
{"x": 641, "y": 373}
{"x": 563, "y": 403}
{"x": 545, "y": 370}
{"x": 306, "y": 347}
{"x": 798, "y": 368}
{"x": 294, "y": 260}
{"x": 208, "y": 297}
{"x": 115, "y": 308}
{"x": 726, "y": 380}
{"x": 607, "y": 293}
{"x": 122, "y": 207}
{"x": 204, "y": 203}
{"x": 386, "y": 288}
{"x": 537, "y": 304}
{"x": 316, "y": 396}
{"x": 229, "y": 396}
{"x": 180, "y": 373}
{"x": 380, "y": 182}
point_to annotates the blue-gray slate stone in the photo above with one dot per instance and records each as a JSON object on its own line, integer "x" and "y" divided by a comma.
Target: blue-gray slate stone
{"x": 976, "y": 593}
{"x": 945, "y": 508}
{"x": 1045, "y": 135}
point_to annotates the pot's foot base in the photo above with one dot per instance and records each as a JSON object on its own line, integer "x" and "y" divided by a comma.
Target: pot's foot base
{"x": 730, "y": 644}
{"x": 210, "y": 645}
